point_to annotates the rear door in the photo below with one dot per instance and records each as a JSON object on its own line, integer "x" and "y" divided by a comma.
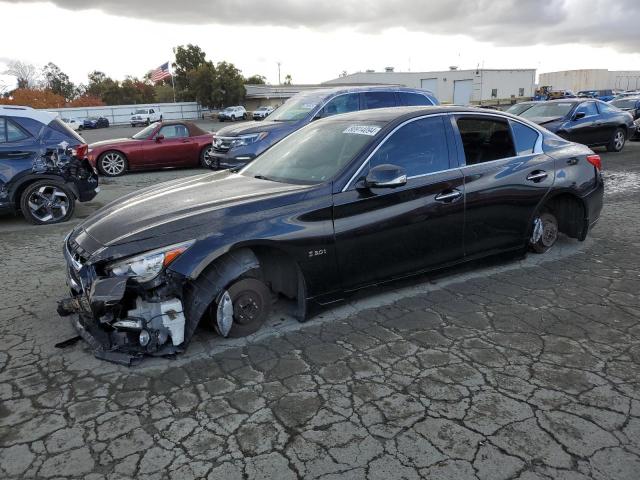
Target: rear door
{"x": 389, "y": 232}
{"x": 506, "y": 176}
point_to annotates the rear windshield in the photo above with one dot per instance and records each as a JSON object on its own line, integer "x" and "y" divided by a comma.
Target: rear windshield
{"x": 544, "y": 110}
{"x": 63, "y": 131}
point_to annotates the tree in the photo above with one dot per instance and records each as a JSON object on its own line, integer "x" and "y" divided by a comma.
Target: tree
{"x": 86, "y": 101}
{"x": 204, "y": 84}
{"x": 58, "y": 82}
{"x": 255, "y": 80}
{"x": 164, "y": 93}
{"x": 230, "y": 83}
{"x": 36, "y": 98}
{"x": 26, "y": 74}
{"x": 287, "y": 79}
{"x": 187, "y": 59}
{"x": 98, "y": 84}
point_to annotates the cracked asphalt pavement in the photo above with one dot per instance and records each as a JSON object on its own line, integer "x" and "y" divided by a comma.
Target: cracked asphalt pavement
{"x": 506, "y": 369}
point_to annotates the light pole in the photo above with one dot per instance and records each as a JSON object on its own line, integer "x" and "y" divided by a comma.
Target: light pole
{"x": 279, "y": 83}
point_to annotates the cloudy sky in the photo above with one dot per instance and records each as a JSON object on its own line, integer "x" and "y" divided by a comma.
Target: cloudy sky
{"x": 315, "y": 40}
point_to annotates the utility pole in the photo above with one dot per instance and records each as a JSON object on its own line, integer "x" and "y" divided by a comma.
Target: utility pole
{"x": 279, "y": 83}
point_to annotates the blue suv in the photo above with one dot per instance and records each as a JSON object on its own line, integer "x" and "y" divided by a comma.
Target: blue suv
{"x": 43, "y": 166}
{"x": 236, "y": 145}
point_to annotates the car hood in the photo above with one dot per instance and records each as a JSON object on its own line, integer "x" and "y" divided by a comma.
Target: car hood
{"x": 111, "y": 143}
{"x": 178, "y": 205}
{"x": 256, "y": 127}
{"x": 545, "y": 120}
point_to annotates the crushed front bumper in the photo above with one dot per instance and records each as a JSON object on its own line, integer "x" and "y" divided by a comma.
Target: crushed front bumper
{"x": 122, "y": 323}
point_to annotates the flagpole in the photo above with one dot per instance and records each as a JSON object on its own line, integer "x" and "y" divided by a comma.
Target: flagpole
{"x": 172, "y": 84}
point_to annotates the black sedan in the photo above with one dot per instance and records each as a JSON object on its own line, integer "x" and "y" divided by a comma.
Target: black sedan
{"x": 95, "y": 122}
{"x": 631, "y": 105}
{"x": 590, "y": 122}
{"x": 344, "y": 203}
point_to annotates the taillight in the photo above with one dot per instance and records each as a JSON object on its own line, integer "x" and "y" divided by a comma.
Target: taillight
{"x": 80, "y": 151}
{"x": 595, "y": 161}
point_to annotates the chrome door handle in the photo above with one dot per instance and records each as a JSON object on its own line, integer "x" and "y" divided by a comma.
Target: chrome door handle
{"x": 448, "y": 196}
{"x": 537, "y": 176}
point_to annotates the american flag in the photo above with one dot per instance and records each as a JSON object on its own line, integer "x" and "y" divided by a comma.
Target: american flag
{"x": 160, "y": 73}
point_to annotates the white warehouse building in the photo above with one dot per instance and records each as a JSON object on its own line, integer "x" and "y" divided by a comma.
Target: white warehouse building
{"x": 592, "y": 79}
{"x": 461, "y": 87}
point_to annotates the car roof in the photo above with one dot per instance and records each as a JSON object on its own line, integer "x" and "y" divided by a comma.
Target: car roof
{"x": 41, "y": 116}
{"x": 362, "y": 88}
{"x": 393, "y": 113}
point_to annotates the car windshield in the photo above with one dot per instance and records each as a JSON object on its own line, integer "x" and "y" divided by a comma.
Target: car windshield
{"x": 296, "y": 108}
{"x": 518, "y": 108}
{"x": 315, "y": 153}
{"x": 625, "y": 103}
{"x": 140, "y": 112}
{"x": 559, "y": 109}
{"x": 145, "y": 132}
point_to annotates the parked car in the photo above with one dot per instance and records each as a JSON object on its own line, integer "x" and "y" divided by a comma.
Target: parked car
{"x": 591, "y": 122}
{"x": 261, "y": 112}
{"x": 604, "y": 95}
{"x": 160, "y": 145}
{"x": 341, "y": 204}
{"x": 632, "y": 105}
{"x": 620, "y": 95}
{"x": 557, "y": 94}
{"x": 96, "y": 122}
{"x": 73, "y": 123}
{"x": 518, "y": 108}
{"x": 43, "y": 169}
{"x": 232, "y": 114}
{"x": 145, "y": 116}
{"x": 235, "y": 146}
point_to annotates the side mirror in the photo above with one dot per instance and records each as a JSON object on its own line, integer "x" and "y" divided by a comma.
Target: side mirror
{"x": 579, "y": 115}
{"x": 386, "y": 176}
{"x": 159, "y": 138}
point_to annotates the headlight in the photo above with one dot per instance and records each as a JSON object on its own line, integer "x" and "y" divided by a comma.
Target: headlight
{"x": 243, "y": 140}
{"x": 148, "y": 265}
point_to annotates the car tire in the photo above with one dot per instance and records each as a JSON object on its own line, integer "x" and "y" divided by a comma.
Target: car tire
{"x": 233, "y": 118}
{"x": 206, "y": 157}
{"x": 148, "y": 122}
{"x": 251, "y": 300}
{"x": 80, "y": 128}
{"x": 545, "y": 232}
{"x": 244, "y": 116}
{"x": 112, "y": 163}
{"x": 618, "y": 139}
{"x": 47, "y": 202}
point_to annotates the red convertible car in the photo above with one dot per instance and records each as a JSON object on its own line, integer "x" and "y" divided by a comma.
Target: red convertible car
{"x": 160, "y": 145}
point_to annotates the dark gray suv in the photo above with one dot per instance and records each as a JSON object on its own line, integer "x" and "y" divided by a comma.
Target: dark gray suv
{"x": 236, "y": 145}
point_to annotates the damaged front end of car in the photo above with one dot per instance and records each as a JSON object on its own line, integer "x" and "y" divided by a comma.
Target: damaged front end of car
{"x": 127, "y": 308}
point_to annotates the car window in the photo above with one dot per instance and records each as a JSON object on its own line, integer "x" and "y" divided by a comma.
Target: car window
{"x": 420, "y": 147}
{"x": 174, "y": 131}
{"x": 15, "y": 133}
{"x": 525, "y": 138}
{"x": 588, "y": 108}
{"x": 485, "y": 139}
{"x": 341, "y": 104}
{"x": 606, "y": 108}
{"x": 410, "y": 98}
{"x": 378, "y": 100}
{"x": 3, "y": 130}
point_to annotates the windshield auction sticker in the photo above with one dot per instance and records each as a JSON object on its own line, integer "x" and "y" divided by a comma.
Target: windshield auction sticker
{"x": 370, "y": 130}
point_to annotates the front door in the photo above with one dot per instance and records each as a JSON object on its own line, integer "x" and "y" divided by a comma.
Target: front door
{"x": 506, "y": 177}
{"x": 587, "y": 129}
{"x": 175, "y": 149}
{"x": 17, "y": 153}
{"x": 390, "y": 232}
